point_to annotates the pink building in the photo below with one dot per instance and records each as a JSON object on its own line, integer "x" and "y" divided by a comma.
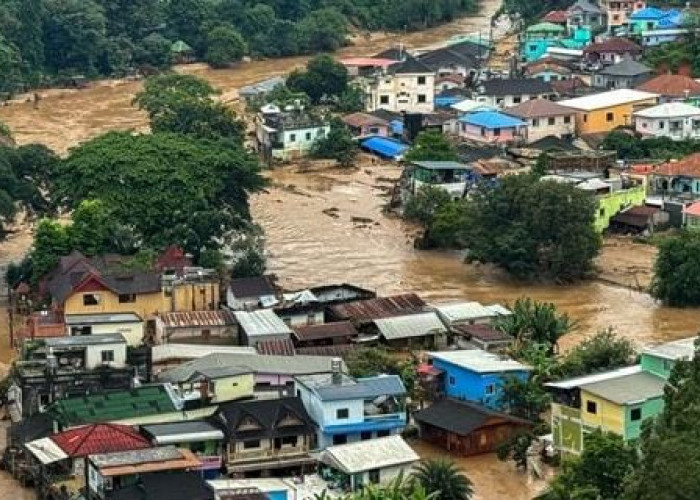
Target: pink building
{"x": 492, "y": 127}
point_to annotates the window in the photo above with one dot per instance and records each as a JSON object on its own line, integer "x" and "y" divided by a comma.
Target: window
{"x": 661, "y": 125}
{"x": 342, "y": 413}
{"x": 567, "y": 119}
{"x": 340, "y": 439}
{"x": 591, "y": 407}
{"x": 609, "y": 117}
{"x": 616, "y": 17}
{"x": 489, "y": 389}
{"x": 499, "y": 101}
{"x": 127, "y": 298}
{"x": 535, "y": 122}
{"x": 91, "y": 299}
{"x": 551, "y": 121}
{"x": 517, "y": 99}
{"x": 107, "y": 356}
{"x": 383, "y": 99}
{"x": 364, "y": 436}
{"x": 421, "y": 80}
{"x": 636, "y": 414}
{"x": 601, "y": 212}
{"x": 676, "y": 125}
{"x": 374, "y": 476}
{"x": 384, "y": 433}
{"x": 421, "y": 98}
{"x": 292, "y": 137}
{"x": 497, "y": 132}
{"x": 251, "y": 444}
{"x": 452, "y": 380}
{"x": 585, "y": 118}
{"x": 308, "y": 136}
{"x": 374, "y": 130}
{"x": 289, "y": 441}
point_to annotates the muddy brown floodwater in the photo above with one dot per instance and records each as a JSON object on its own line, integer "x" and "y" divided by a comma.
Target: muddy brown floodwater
{"x": 307, "y": 247}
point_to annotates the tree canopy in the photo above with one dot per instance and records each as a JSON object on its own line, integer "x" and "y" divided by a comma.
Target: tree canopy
{"x": 633, "y": 146}
{"x": 676, "y": 271}
{"x": 225, "y": 45}
{"x": 431, "y": 146}
{"x": 169, "y": 188}
{"x": 337, "y": 145}
{"x": 323, "y": 77}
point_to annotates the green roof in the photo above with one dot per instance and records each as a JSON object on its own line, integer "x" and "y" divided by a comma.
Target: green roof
{"x": 180, "y": 46}
{"x": 546, "y": 28}
{"x": 113, "y": 406}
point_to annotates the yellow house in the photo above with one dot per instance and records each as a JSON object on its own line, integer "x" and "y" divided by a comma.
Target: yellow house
{"x": 606, "y": 111}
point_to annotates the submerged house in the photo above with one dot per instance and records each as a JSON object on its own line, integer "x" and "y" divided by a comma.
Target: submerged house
{"x": 378, "y": 461}
{"x": 451, "y": 176}
{"x": 465, "y": 428}
{"x": 347, "y": 410}
{"x": 289, "y": 134}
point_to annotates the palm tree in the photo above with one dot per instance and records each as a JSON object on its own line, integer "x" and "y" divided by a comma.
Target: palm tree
{"x": 444, "y": 478}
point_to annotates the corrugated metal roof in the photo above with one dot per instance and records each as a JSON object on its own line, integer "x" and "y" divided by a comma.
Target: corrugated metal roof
{"x": 193, "y": 351}
{"x": 324, "y": 331}
{"x": 413, "y": 325}
{"x": 628, "y": 389}
{"x": 198, "y": 318}
{"x": 479, "y": 361}
{"x": 349, "y": 388}
{"x": 607, "y": 99}
{"x": 454, "y": 312}
{"x": 96, "y": 319}
{"x": 678, "y": 349}
{"x": 596, "y": 377}
{"x": 339, "y": 351}
{"x": 382, "y": 307}
{"x": 182, "y": 432}
{"x": 257, "y": 363}
{"x": 261, "y": 323}
{"x": 281, "y": 347}
{"x": 377, "y": 453}
{"x": 84, "y": 340}
{"x": 46, "y": 451}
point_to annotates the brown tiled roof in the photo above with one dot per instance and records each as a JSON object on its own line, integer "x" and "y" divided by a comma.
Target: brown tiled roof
{"x": 535, "y": 108}
{"x": 556, "y": 16}
{"x": 690, "y": 166}
{"x": 324, "y": 331}
{"x": 671, "y": 85}
{"x": 363, "y": 120}
{"x": 276, "y": 347}
{"x": 568, "y": 85}
{"x": 618, "y": 45}
{"x": 198, "y": 318}
{"x": 383, "y": 307}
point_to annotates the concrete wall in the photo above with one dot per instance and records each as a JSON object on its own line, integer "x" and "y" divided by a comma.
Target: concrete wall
{"x": 657, "y": 365}
{"x": 232, "y": 388}
{"x": 650, "y": 408}
{"x": 93, "y": 355}
{"x": 599, "y": 120}
{"x": 195, "y": 296}
{"x": 537, "y": 128}
{"x": 131, "y": 331}
{"x": 610, "y": 204}
{"x": 661, "y": 127}
{"x": 297, "y": 143}
{"x": 483, "y": 134}
{"x": 146, "y": 305}
{"x": 402, "y": 92}
{"x": 608, "y": 416}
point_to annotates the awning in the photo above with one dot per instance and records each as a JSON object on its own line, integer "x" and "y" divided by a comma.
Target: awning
{"x": 46, "y": 451}
{"x": 384, "y": 147}
{"x": 189, "y": 437}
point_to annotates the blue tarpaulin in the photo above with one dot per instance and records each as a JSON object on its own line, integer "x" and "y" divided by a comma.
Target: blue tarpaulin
{"x": 383, "y": 146}
{"x": 396, "y": 127}
{"x": 446, "y": 101}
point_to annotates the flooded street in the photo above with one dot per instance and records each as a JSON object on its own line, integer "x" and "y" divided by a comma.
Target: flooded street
{"x": 307, "y": 247}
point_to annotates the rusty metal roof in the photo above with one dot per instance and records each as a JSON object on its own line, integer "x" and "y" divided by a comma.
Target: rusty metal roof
{"x": 198, "y": 318}
{"x": 280, "y": 347}
{"x": 324, "y": 331}
{"x": 384, "y": 307}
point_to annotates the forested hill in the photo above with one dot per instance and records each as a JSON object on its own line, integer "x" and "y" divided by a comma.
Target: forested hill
{"x": 46, "y": 41}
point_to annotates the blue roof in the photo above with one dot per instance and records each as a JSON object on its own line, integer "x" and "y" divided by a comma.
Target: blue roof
{"x": 396, "y": 126}
{"x": 448, "y": 100}
{"x": 384, "y": 146}
{"x": 491, "y": 119}
{"x": 648, "y": 13}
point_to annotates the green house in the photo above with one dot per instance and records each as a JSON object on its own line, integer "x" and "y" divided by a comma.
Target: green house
{"x": 661, "y": 359}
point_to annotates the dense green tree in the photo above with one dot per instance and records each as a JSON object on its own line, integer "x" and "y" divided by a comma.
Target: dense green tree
{"x": 516, "y": 448}
{"x": 134, "y": 19}
{"x": 670, "y": 445}
{"x": 249, "y": 254}
{"x": 351, "y": 100}
{"x": 599, "y": 472}
{"x": 75, "y": 35}
{"x": 603, "y": 351}
{"x": 51, "y": 241}
{"x": 424, "y": 206}
{"x": 371, "y": 361}
{"x": 444, "y": 478}
{"x": 153, "y": 50}
{"x": 92, "y": 229}
{"x": 11, "y": 79}
{"x": 536, "y": 322}
{"x": 225, "y": 45}
{"x": 676, "y": 280}
{"x": 525, "y": 398}
{"x": 171, "y": 189}
{"x": 322, "y": 30}
{"x": 338, "y": 144}
{"x": 324, "y": 77}
{"x": 533, "y": 229}
{"x": 431, "y": 146}
{"x": 184, "y": 104}
{"x": 633, "y": 146}
{"x": 188, "y": 20}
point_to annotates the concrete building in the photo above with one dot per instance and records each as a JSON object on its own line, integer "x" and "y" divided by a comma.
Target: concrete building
{"x": 545, "y": 118}
{"x": 626, "y": 74}
{"x": 289, "y": 134}
{"x": 407, "y": 86}
{"x": 675, "y": 120}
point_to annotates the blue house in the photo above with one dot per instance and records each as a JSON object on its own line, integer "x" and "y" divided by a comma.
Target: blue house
{"x": 348, "y": 410}
{"x": 476, "y": 375}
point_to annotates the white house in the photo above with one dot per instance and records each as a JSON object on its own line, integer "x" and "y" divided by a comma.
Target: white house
{"x": 371, "y": 462}
{"x": 506, "y": 92}
{"x": 545, "y": 118}
{"x": 129, "y": 325}
{"x": 676, "y": 120}
{"x": 89, "y": 351}
{"x": 406, "y": 86}
{"x": 289, "y": 134}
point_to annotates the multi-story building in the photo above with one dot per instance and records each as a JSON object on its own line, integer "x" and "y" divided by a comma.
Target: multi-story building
{"x": 287, "y": 134}
{"x": 347, "y": 410}
{"x": 407, "y": 86}
{"x": 675, "y": 120}
{"x": 619, "y": 11}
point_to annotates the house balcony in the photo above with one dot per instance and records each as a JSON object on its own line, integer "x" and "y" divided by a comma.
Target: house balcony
{"x": 266, "y": 454}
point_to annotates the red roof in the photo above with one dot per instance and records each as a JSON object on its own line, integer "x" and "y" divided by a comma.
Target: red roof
{"x": 690, "y": 166}
{"x": 617, "y": 45}
{"x": 671, "y": 85}
{"x": 426, "y": 369}
{"x": 99, "y": 438}
{"x": 556, "y": 16}
{"x": 693, "y": 209}
{"x": 173, "y": 257}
